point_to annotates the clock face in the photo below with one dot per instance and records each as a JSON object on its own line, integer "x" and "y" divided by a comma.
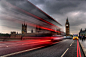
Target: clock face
{"x": 66, "y": 24}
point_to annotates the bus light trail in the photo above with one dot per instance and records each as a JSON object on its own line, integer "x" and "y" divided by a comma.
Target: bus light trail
{"x": 31, "y": 14}
{"x": 46, "y": 14}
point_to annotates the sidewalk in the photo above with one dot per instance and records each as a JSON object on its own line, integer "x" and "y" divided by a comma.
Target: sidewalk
{"x": 83, "y": 45}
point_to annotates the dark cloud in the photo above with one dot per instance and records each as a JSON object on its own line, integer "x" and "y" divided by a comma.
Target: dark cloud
{"x": 37, "y": 1}
{"x": 56, "y": 7}
{"x": 77, "y": 22}
{"x": 60, "y": 7}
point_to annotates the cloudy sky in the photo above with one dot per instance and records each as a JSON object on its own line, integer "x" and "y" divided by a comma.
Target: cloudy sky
{"x": 60, "y": 10}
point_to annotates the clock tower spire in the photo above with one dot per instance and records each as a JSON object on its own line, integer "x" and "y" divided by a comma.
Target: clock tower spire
{"x": 67, "y": 26}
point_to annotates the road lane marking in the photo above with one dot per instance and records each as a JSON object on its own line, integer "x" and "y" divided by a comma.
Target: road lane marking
{"x": 64, "y": 52}
{"x": 21, "y": 51}
{"x": 71, "y": 43}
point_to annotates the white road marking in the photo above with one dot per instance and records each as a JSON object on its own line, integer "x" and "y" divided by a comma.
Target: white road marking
{"x": 71, "y": 43}
{"x": 21, "y": 51}
{"x": 64, "y": 52}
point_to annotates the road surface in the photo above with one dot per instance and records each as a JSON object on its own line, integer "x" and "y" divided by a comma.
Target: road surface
{"x": 65, "y": 48}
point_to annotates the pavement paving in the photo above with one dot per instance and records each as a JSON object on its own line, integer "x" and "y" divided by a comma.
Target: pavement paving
{"x": 83, "y": 45}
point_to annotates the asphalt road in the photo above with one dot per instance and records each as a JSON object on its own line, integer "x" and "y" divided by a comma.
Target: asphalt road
{"x": 65, "y": 48}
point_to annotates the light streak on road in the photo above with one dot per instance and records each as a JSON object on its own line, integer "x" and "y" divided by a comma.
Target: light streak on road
{"x": 38, "y": 41}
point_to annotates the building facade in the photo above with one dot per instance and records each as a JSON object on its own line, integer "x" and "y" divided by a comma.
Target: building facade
{"x": 67, "y": 27}
{"x": 23, "y": 32}
{"x": 82, "y": 32}
{"x": 24, "y": 28}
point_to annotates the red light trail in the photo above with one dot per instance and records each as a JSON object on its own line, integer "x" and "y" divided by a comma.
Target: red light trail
{"x": 45, "y": 13}
{"x": 78, "y": 50}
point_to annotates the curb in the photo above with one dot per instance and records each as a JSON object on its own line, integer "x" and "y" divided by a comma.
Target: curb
{"x": 83, "y": 49}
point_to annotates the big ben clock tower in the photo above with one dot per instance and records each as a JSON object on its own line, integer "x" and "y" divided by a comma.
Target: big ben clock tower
{"x": 67, "y": 27}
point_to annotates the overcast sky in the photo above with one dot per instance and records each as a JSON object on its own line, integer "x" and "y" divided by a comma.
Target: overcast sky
{"x": 60, "y": 10}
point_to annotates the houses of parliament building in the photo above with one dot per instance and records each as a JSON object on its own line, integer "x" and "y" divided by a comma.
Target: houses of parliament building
{"x": 24, "y": 31}
{"x": 38, "y": 32}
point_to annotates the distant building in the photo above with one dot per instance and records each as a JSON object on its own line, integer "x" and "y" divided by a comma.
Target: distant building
{"x": 24, "y": 28}
{"x": 82, "y": 32}
{"x": 67, "y": 26}
{"x": 60, "y": 31}
{"x": 32, "y": 31}
{"x": 23, "y": 32}
{"x": 15, "y": 35}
